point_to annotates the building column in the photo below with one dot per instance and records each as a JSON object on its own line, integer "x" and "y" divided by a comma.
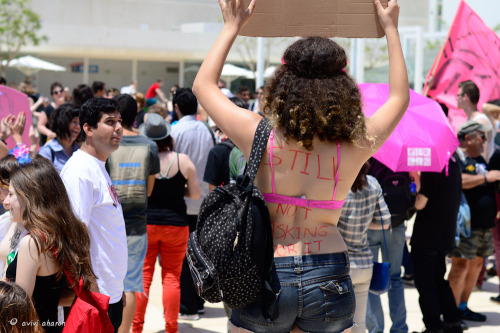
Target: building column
{"x": 181, "y": 73}
{"x": 134, "y": 69}
{"x": 86, "y": 65}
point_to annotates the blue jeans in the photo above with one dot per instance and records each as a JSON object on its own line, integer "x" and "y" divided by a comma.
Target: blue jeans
{"x": 374, "y": 314}
{"x": 137, "y": 247}
{"x": 315, "y": 292}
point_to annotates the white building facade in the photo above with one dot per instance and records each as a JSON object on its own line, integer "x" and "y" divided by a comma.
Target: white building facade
{"x": 116, "y": 41}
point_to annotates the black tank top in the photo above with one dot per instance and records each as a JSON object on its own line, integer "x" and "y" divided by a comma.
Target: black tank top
{"x": 166, "y": 205}
{"x": 45, "y": 297}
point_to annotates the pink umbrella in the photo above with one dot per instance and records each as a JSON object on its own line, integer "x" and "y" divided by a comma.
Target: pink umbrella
{"x": 12, "y": 102}
{"x": 422, "y": 141}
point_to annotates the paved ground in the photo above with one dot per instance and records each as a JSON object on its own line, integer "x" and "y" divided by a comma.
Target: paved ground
{"x": 214, "y": 319}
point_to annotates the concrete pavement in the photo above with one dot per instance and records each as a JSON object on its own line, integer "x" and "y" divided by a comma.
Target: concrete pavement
{"x": 214, "y": 319}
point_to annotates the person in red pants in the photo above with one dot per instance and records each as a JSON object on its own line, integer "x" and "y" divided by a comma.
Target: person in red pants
{"x": 168, "y": 229}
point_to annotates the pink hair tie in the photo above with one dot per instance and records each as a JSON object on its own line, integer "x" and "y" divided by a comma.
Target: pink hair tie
{"x": 344, "y": 70}
{"x": 283, "y": 61}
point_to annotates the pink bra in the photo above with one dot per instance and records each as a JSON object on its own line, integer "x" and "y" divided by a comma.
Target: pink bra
{"x": 303, "y": 202}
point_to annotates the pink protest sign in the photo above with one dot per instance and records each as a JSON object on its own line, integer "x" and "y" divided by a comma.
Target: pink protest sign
{"x": 13, "y": 102}
{"x": 471, "y": 52}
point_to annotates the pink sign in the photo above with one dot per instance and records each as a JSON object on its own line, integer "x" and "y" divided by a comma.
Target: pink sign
{"x": 471, "y": 52}
{"x": 12, "y": 102}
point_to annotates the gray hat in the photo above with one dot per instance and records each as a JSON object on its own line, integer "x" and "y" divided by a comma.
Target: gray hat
{"x": 155, "y": 127}
{"x": 469, "y": 127}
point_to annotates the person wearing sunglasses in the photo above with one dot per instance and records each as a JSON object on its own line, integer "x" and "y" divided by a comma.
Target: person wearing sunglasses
{"x": 57, "y": 93}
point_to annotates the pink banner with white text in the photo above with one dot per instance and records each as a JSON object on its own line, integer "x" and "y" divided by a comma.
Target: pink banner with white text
{"x": 471, "y": 52}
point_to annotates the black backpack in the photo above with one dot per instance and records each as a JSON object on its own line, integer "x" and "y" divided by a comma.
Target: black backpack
{"x": 230, "y": 254}
{"x": 396, "y": 189}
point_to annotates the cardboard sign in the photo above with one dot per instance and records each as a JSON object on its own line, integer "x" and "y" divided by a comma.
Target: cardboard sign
{"x": 302, "y": 18}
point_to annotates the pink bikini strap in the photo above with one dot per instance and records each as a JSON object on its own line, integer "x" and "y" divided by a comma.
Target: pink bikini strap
{"x": 337, "y": 173}
{"x": 271, "y": 139}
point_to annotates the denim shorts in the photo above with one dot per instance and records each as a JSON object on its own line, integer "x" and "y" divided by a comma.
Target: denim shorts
{"x": 315, "y": 292}
{"x": 137, "y": 247}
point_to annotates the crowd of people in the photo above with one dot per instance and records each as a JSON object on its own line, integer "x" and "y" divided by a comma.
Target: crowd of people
{"x": 108, "y": 173}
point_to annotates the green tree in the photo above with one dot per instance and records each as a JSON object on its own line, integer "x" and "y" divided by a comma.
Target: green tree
{"x": 19, "y": 26}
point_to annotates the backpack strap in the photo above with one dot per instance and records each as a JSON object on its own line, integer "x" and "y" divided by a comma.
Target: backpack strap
{"x": 210, "y": 131}
{"x": 52, "y": 154}
{"x": 258, "y": 147}
{"x": 228, "y": 144}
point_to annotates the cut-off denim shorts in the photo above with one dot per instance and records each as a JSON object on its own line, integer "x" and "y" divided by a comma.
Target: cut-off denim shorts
{"x": 315, "y": 292}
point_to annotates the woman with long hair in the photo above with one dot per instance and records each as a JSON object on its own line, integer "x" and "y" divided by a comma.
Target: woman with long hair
{"x": 168, "y": 229}
{"x": 56, "y": 239}
{"x": 10, "y": 241}
{"x": 65, "y": 122}
{"x": 319, "y": 142}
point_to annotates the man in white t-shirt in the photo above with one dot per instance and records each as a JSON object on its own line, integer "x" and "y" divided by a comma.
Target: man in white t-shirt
{"x": 94, "y": 199}
{"x": 467, "y": 99}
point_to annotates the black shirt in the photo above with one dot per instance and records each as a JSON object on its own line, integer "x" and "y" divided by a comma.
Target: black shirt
{"x": 494, "y": 164}
{"x": 46, "y": 294}
{"x": 436, "y": 224}
{"x": 48, "y": 111}
{"x": 397, "y": 204}
{"x": 166, "y": 205}
{"x": 217, "y": 168}
{"x": 481, "y": 199}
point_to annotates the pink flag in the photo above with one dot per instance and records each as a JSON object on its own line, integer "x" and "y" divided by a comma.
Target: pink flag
{"x": 472, "y": 52}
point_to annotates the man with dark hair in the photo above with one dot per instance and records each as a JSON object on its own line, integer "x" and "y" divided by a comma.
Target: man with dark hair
{"x": 467, "y": 99}
{"x": 132, "y": 169}
{"x": 468, "y": 257}
{"x": 99, "y": 89}
{"x": 244, "y": 94}
{"x": 81, "y": 94}
{"x": 3, "y": 81}
{"x": 94, "y": 199}
{"x": 193, "y": 138}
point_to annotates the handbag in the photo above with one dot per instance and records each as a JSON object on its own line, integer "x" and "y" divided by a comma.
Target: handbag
{"x": 89, "y": 311}
{"x": 381, "y": 277}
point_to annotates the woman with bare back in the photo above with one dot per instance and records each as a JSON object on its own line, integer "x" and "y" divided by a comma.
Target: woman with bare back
{"x": 319, "y": 142}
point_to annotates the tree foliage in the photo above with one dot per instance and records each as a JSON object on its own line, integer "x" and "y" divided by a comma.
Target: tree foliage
{"x": 19, "y": 26}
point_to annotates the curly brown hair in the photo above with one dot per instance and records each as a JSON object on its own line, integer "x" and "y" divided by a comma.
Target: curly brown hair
{"x": 310, "y": 95}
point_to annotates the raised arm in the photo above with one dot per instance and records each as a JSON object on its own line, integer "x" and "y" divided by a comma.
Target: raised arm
{"x": 238, "y": 124}
{"x": 385, "y": 120}
{"x": 492, "y": 111}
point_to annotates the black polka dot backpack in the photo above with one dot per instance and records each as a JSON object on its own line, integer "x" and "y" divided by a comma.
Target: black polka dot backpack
{"x": 231, "y": 252}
